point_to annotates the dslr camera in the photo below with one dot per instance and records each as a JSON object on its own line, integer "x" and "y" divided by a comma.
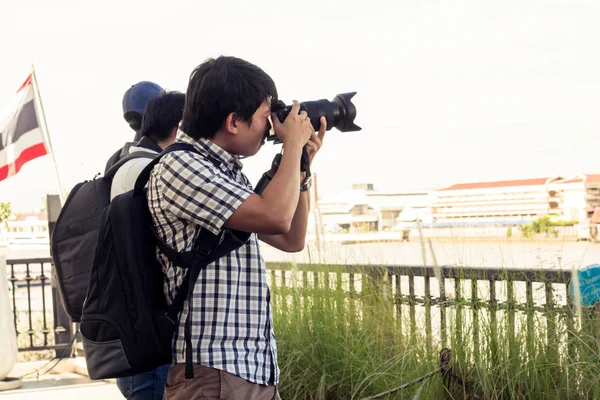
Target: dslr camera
{"x": 339, "y": 113}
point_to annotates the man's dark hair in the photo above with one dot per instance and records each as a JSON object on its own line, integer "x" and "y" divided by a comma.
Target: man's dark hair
{"x": 162, "y": 114}
{"x": 222, "y": 86}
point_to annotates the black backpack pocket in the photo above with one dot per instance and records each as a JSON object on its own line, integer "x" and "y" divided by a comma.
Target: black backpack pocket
{"x": 108, "y": 351}
{"x": 105, "y": 359}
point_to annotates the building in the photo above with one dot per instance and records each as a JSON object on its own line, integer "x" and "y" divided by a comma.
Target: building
{"x": 477, "y": 204}
{"x": 25, "y": 229}
{"x": 364, "y": 209}
{"x": 575, "y": 197}
{"x": 517, "y": 201}
{"x": 502, "y": 202}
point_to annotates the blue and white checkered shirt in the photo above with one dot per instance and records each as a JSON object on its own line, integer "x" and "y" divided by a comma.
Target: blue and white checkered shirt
{"x": 231, "y": 321}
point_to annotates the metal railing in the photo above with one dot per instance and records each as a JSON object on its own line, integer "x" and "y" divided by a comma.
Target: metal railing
{"x": 526, "y": 299}
{"x": 39, "y": 318}
{"x": 414, "y": 292}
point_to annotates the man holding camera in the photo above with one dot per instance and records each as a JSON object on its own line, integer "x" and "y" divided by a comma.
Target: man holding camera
{"x": 226, "y": 116}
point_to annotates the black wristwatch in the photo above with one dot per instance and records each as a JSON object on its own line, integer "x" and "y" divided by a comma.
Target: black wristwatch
{"x": 306, "y": 184}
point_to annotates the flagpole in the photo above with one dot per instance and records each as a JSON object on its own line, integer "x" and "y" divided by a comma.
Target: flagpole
{"x": 46, "y": 133}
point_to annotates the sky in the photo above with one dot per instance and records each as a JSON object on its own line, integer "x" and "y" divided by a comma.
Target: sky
{"x": 448, "y": 92}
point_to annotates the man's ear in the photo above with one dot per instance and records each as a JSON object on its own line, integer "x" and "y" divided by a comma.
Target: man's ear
{"x": 232, "y": 123}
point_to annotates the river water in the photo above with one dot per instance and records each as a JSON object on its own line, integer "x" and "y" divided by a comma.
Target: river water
{"x": 500, "y": 253}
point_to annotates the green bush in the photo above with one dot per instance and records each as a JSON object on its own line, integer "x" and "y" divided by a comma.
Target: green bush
{"x": 544, "y": 225}
{"x": 5, "y": 212}
{"x": 527, "y": 231}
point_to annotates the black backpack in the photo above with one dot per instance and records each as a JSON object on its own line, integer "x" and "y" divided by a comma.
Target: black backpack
{"x": 126, "y": 326}
{"x": 74, "y": 237}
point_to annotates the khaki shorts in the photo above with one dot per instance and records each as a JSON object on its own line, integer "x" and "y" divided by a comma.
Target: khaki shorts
{"x": 211, "y": 383}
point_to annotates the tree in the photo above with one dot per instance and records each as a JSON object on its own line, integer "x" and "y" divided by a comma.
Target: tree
{"x": 527, "y": 231}
{"x": 4, "y": 212}
{"x": 544, "y": 225}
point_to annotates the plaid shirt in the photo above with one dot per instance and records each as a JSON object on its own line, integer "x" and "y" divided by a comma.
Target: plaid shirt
{"x": 231, "y": 321}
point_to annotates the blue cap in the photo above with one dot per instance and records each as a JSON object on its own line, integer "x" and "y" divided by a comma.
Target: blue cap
{"x": 137, "y": 96}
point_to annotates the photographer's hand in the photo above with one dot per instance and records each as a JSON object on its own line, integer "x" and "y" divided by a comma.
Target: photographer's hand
{"x": 316, "y": 140}
{"x": 296, "y": 130}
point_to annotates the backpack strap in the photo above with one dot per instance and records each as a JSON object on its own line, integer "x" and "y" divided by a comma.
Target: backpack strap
{"x": 131, "y": 156}
{"x": 231, "y": 241}
{"x": 208, "y": 247}
{"x": 183, "y": 259}
{"x": 205, "y": 242}
{"x": 144, "y": 176}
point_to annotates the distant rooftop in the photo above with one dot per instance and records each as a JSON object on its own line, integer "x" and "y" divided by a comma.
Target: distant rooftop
{"x": 592, "y": 178}
{"x": 365, "y": 194}
{"x": 489, "y": 185}
{"x": 575, "y": 178}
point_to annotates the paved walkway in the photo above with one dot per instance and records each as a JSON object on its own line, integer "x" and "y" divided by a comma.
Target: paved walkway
{"x": 62, "y": 383}
{"x": 64, "y": 386}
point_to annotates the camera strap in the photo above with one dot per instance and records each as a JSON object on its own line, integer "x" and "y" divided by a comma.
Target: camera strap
{"x": 305, "y": 162}
{"x": 268, "y": 176}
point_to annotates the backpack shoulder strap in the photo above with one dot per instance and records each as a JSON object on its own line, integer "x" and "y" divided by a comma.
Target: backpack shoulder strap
{"x": 209, "y": 239}
{"x": 205, "y": 242}
{"x": 142, "y": 179}
{"x": 131, "y": 156}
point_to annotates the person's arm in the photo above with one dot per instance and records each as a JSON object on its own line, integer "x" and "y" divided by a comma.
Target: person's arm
{"x": 294, "y": 240}
{"x": 273, "y": 211}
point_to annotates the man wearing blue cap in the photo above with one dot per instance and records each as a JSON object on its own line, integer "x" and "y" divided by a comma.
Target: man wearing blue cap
{"x": 158, "y": 129}
{"x": 134, "y": 103}
{"x": 150, "y": 136}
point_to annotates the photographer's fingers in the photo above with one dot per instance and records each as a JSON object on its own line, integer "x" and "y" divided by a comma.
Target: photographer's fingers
{"x": 311, "y": 148}
{"x": 315, "y": 142}
{"x": 295, "y": 108}
{"x": 310, "y": 131}
{"x": 322, "y": 129}
{"x": 275, "y": 121}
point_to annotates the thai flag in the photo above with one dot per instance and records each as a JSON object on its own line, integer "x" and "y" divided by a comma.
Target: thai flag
{"x": 21, "y": 138}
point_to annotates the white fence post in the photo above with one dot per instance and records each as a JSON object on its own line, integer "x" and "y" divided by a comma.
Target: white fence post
{"x": 8, "y": 336}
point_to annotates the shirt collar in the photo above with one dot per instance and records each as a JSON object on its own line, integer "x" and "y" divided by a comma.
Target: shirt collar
{"x": 209, "y": 148}
{"x": 147, "y": 143}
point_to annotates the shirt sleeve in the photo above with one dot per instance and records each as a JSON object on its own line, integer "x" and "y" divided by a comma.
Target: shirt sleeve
{"x": 194, "y": 189}
{"x": 126, "y": 175}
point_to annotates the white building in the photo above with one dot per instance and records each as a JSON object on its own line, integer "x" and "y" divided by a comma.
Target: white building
{"x": 518, "y": 201}
{"x": 575, "y": 197}
{"x": 492, "y": 202}
{"x": 25, "y": 229}
{"x": 363, "y": 209}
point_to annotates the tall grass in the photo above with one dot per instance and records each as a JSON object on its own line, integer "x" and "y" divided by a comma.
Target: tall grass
{"x": 337, "y": 344}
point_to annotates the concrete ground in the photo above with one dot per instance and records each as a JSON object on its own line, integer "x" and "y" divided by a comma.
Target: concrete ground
{"x": 68, "y": 380}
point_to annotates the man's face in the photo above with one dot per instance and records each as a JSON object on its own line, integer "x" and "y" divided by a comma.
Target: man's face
{"x": 251, "y": 136}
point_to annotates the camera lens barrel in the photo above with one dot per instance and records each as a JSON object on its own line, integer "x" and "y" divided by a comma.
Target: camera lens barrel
{"x": 339, "y": 113}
